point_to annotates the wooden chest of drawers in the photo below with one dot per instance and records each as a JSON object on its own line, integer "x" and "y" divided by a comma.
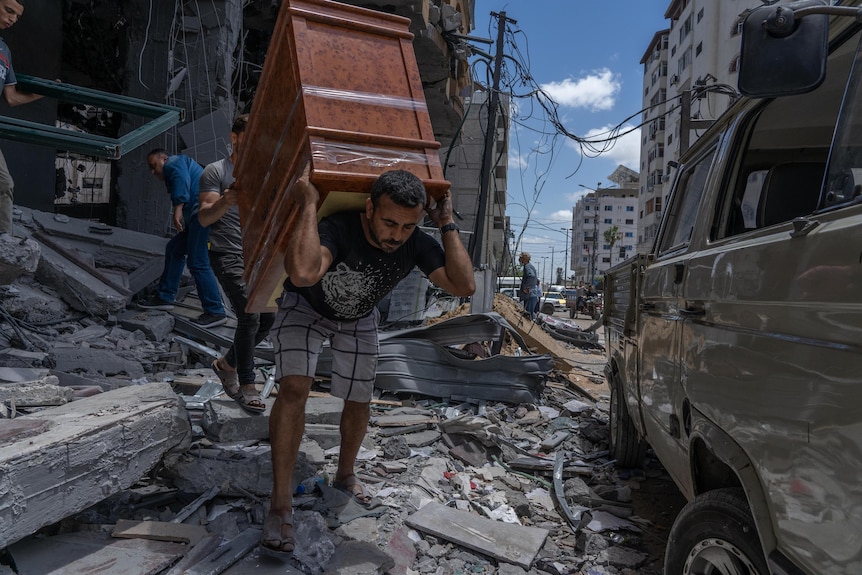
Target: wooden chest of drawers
{"x": 340, "y": 88}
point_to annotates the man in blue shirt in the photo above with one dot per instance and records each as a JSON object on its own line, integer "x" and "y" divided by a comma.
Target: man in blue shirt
{"x": 182, "y": 175}
{"x": 10, "y": 11}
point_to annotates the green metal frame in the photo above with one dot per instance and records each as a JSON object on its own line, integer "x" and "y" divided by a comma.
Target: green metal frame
{"x": 162, "y": 117}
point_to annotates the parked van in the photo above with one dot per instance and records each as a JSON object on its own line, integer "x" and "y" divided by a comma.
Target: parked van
{"x": 735, "y": 345}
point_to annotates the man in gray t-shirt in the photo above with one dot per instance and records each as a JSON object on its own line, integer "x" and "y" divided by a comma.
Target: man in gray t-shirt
{"x": 218, "y": 210}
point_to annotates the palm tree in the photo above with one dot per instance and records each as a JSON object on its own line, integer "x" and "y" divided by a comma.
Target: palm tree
{"x": 612, "y": 234}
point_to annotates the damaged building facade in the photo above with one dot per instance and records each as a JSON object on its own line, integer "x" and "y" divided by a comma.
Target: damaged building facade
{"x": 206, "y": 59}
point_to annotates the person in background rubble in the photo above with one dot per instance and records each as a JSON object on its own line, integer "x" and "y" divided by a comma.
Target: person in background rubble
{"x": 530, "y": 291}
{"x": 337, "y": 271}
{"x": 10, "y": 12}
{"x": 181, "y": 176}
{"x": 218, "y": 211}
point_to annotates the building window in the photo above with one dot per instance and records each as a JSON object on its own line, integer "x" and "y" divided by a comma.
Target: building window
{"x": 658, "y": 204}
{"x": 684, "y": 61}
{"x": 673, "y": 52}
{"x": 698, "y": 49}
{"x": 630, "y": 222}
{"x": 608, "y": 221}
{"x": 685, "y": 29}
{"x": 630, "y": 208}
{"x": 700, "y": 15}
{"x": 629, "y": 235}
{"x": 609, "y": 208}
{"x": 737, "y": 27}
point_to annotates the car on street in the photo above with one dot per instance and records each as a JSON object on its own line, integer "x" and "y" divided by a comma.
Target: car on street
{"x": 552, "y": 301}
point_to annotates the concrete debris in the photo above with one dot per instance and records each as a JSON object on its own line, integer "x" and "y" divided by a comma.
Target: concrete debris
{"x": 41, "y": 393}
{"x": 91, "y": 449}
{"x": 17, "y": 257}
{"x": 477, "y": 445}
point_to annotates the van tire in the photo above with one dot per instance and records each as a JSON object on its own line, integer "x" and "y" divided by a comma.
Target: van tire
{"x": 716, "y": 524}
{"x": 627, "y": 447}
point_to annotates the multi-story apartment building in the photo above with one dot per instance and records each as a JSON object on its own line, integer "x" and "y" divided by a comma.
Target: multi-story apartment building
{"x": 604, "y": 227}
{"x": 696, "y": 58}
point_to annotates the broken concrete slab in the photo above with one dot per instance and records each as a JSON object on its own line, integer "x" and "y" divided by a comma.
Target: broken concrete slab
{"x": 28, "y": 301}
{"x": 91, "y": 332}
{"x": 78, "y": 287}
{"x": 94, "y": 447}
{"x": 87, "y": 553}
{"x": 226, "y": 422}
{"x": 506, "y": 542}
{"x": 99, "y": 361}
{"x": 17, "y": 257}
{"x": 42, "y": 393}
{"x": 358, "y": 558}
{"x": 21, "y": 358}
{"x": 13, "y": 375}
{"x": 157, "y": 325}
{"x": 21, "y": 428}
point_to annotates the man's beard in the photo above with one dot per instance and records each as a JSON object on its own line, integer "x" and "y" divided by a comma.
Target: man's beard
{"x": 388, "y": 247}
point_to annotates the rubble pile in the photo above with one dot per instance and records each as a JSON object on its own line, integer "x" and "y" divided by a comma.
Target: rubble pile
{"x": 119, "y": 448}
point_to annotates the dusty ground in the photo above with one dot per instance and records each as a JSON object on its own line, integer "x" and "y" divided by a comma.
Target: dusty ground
{"x": 656, "y": 499}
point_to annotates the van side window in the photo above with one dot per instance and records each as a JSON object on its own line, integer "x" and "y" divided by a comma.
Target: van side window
{"x": 684, "y": 204}
{"x": 782, "y": 153}
{"x": 844, "y": 182}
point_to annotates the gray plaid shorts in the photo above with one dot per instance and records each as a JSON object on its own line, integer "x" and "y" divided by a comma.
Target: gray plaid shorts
{"x": 299, "y": 333}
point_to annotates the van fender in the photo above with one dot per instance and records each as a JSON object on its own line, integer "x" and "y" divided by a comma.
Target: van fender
{"x": 725, "y": 449}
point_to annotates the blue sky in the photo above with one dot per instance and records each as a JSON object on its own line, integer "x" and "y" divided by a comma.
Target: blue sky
{"x": 586, "y": 54}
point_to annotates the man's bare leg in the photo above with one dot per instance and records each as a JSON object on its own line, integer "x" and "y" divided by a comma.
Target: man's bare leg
{"x": 286, "y": 425}
{"x": 354, "y": 424}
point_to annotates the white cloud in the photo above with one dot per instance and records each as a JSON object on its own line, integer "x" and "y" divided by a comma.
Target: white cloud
{"x": 596, "y": 91}
{"x": 625, "y": 150}
{"x": 517, "y": 161}
{"x": 562, "y": 216}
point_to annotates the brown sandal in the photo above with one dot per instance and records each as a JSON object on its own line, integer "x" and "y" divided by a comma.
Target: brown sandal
{"x": 273, "y": 540}
{"x": 355, "y": 488}
{"x": 250, "y": 400}
{"x": 229, "y": 380}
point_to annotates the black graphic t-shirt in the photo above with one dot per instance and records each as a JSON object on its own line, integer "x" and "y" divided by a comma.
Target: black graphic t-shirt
{"x": 360, "y": 274}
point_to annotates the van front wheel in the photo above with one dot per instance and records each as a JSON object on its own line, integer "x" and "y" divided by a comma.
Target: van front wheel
{"x": 715, "y": 533}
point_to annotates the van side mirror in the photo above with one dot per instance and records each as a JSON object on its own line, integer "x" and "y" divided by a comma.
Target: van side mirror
{"x": 784, "y": 51}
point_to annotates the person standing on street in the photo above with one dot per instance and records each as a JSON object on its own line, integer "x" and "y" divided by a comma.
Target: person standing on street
{"x": 10, "y": 12}
{"x": 530, "y": 290}
{"x": 338, "y": 270}
{"x": 181, "y": 176}
{"x": 219, "y": 212}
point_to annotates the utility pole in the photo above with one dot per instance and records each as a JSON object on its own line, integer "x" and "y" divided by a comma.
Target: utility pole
{"x": 476, "y": 240}
{"x": 595, "y": 243}
{"x": 566, "y": 259}
{"x": 552, "y": 267}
